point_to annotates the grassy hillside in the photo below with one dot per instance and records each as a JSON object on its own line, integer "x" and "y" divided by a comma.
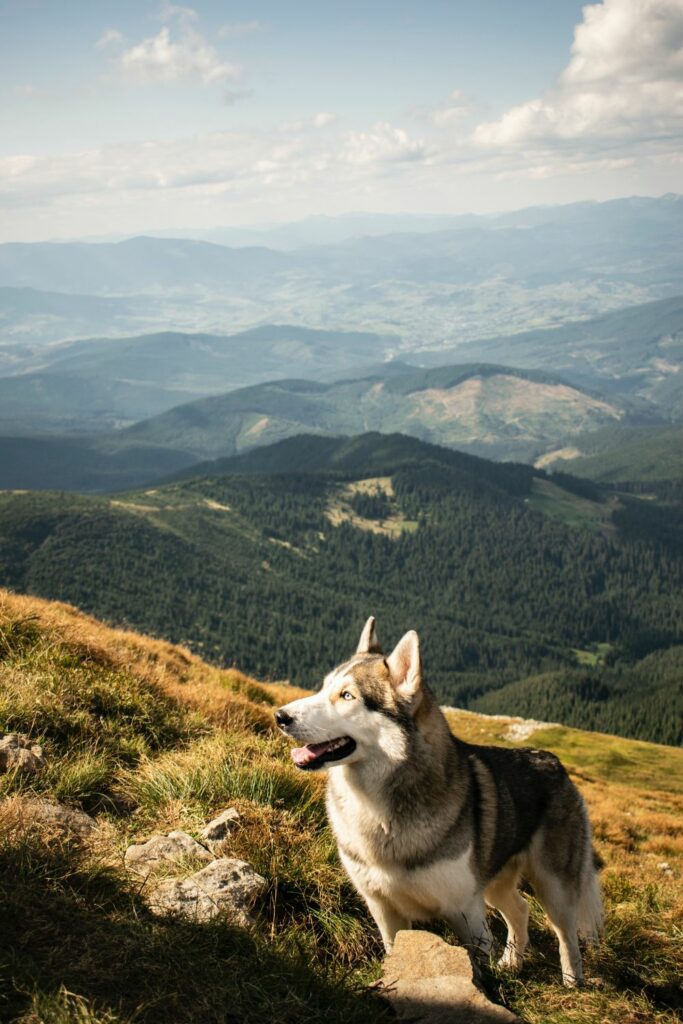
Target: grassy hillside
{"x": 508, "y": 574}
{"x": 615, "y": 455}
{"x": 146, "y": 737}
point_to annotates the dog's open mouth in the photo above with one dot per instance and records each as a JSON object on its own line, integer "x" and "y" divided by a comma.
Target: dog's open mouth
{"x": 315, "y": 755}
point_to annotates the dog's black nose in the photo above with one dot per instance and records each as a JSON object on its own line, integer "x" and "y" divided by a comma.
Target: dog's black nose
{"x": 282, "y": 718}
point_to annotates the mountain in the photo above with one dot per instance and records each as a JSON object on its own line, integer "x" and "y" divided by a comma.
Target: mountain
{"x": 146, "y": 738}
{"x": 635, "y": 353}
{"x": 89, "y": 464}
{"x": 511, "y": 574}
{"x": 103, "y": 383}
{"x": 492, "y": 410}
{"x": 133, "y": 266}
{"x": 473, "y": 277}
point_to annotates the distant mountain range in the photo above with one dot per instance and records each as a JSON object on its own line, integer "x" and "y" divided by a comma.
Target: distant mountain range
{"x": 471, "y": 277}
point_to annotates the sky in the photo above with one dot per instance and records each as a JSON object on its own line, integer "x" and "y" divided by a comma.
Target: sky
{"x": 126, "y": 116}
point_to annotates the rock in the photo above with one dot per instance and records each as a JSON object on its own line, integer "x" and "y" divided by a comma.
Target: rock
{"x": 218, "y": 830}
{"x": 66, "y": 819}
{"x": 429, "y": 982}
{"x": 226, "y": 886}
{"x": 145, "y": 857}
{"x": 17, "y": 751}
{"x": 665, "y": 867}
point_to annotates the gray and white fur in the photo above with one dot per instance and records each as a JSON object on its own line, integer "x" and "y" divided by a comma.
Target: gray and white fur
{"x": 430, "y": 827}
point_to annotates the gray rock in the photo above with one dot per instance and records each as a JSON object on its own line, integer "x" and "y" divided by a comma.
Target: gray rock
{"x": 145, "y": 857}
{"x": 226, "y": 886}
{"x": 18, "y": 751}
{"x": 430, "y": 982}
{"x": 218, "y": 830}
{"x": 69, "y": 820}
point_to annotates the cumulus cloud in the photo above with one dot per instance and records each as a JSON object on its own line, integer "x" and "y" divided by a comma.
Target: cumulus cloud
{"x": 163, "y": 58}
{"x": 382, "y": 144}
{"x": 217, "y": 163}
{"x": 624, "y": 81}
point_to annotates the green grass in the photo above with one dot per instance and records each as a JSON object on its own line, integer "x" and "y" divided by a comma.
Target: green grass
{"x": 551, "y": 500}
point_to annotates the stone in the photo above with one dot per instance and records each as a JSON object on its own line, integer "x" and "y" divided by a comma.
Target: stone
{"x": 69, "y": 820}
{"x": 18, "y": 751}
{"x": 429, "y": 982}
{"x": 218, "y": 830}
{"x": 226, "y": 886}
{"x": 178, "y": 845}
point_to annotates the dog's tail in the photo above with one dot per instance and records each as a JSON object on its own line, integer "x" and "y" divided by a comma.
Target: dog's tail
{"x": 590, "y": 918}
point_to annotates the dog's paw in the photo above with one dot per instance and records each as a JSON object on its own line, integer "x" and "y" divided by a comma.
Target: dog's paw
{"x": 511, "y": 960}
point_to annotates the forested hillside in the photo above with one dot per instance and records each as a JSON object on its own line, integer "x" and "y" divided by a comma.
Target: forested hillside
{"x": 506, "y": 573}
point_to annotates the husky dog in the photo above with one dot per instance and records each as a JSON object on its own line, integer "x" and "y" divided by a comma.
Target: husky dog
{"x": 429, "y": 826}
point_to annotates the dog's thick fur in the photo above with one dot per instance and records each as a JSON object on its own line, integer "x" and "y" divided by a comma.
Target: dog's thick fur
{"x": 429, "y": 826}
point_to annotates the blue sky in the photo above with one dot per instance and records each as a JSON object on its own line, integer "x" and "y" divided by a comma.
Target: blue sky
{"x": 122, "y": 116}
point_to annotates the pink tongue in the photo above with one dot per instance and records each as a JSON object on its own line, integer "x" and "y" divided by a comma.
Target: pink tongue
{"x": 304, "y": 755}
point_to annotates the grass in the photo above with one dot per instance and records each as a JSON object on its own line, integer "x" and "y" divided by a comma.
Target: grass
{"x": 551, "y": 500}
{"x": 147, "y": 737}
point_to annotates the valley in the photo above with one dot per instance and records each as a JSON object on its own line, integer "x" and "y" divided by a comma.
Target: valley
{"x": 268, "y": 562}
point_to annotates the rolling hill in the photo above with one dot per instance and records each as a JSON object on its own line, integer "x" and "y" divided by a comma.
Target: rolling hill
{"x": 145, "y": 737}
{"x": 488, "y": 409}
{"x": 513, "y": 574}
{"x": 635, "y": 352}
{"x": 103, "y": 383}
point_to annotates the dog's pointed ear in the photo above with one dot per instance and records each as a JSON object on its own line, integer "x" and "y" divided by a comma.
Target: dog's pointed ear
{"x": 368, "y": 643}
{"x": 405, "y": 665}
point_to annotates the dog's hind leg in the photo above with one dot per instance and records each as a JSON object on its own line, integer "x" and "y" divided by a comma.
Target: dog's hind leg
{"x": 387, "y": 918}
{"x": 503, "y": 894}
{"x": 559, "y": 903}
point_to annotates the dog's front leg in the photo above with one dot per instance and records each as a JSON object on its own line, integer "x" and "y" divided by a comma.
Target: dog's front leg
{"x": 387, "y": 919}
{"x": 471, "y": 927}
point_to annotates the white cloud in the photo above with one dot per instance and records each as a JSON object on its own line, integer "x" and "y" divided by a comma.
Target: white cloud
{"x": 624, "y": 81}
{"x": 450, "y": 113}
{"x": 382, "y": 144}
{"x": 110, "y": 37}
{"x": 161, "y": 58}
{"x": 249, "y": 163}
{"x": 323, "y": 119}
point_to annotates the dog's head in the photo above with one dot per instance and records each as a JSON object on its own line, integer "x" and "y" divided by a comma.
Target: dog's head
{"x": 363, "y": 710}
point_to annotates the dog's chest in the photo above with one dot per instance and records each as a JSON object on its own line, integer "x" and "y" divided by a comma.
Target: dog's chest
{"x": 376, "y": 852}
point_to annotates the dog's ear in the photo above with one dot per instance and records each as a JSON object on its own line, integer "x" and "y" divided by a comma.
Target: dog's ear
{"x": 405, "y": 665}
{"x": 368, "y": 643}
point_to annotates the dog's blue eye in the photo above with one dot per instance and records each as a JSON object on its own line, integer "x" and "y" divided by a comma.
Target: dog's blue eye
{"x": 346, "y": 695}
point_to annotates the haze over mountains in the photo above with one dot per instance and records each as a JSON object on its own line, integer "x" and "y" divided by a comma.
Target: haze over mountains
{"x": 482, "y": 276}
